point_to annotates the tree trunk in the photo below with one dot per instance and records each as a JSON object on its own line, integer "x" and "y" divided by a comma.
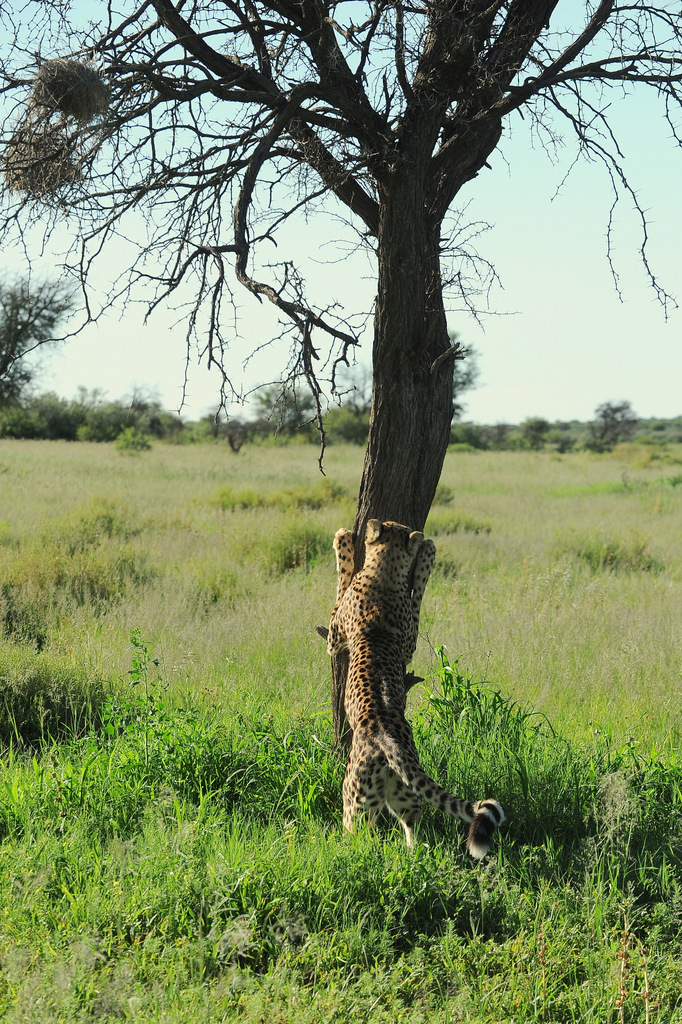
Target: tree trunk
{"x": 412, "y": 398}
{"x": 411, "y": 412}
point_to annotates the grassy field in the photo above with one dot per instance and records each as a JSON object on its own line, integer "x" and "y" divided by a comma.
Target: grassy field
{"x": 170, "y": 842}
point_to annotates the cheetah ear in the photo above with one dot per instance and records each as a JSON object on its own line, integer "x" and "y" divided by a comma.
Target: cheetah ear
{"x": 414, "y": 542}
{"x": 373, "y": 531}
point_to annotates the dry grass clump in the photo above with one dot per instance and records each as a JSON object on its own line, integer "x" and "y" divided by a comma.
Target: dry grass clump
{"x": 41, "y": 696}
{"x": 37, "y": 159}
{"x": 83, "y": 560}
{"x": 71, "y": 86}
{"x": 607, "y": 554}
{"x": 442, "y": 523}
{"x": 304, "y": 496}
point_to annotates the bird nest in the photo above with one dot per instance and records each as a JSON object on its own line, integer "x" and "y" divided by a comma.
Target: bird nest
{"x": 37, "y": 159}
{"x": 70, "y": 86}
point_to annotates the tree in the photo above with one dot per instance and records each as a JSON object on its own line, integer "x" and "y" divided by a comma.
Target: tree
{"x": 284, "y": 410}
{"x": 29, "y": 319}
{"x": 534, "y": 432}
{"x": 228, "y": 118}
{"x": 614, "y": 422}
{"x": 465, "y": 376}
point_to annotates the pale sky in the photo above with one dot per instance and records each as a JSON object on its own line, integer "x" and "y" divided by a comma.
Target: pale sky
{"x": 564, "y": 344}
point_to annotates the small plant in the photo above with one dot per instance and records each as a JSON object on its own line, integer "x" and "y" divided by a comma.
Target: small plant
{"x": 313, "y": 496}
{"x": 94, "y": 523}
{"x": 45, "y": 697}
{"x": 445, "y": 495}
{"x": 228, "y": 499}
{"x": 144, "y": 710}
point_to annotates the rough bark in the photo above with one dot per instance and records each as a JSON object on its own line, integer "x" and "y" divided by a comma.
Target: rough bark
{"x": 412, "y": 387}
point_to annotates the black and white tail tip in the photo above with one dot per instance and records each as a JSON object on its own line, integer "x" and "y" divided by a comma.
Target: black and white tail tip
{"x": 488, "y": 815}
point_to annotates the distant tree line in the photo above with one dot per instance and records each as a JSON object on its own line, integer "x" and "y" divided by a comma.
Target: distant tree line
{"x": 287, "y": 417}
{"x": 614, "y": 423}
{"x": 87, "y": 417}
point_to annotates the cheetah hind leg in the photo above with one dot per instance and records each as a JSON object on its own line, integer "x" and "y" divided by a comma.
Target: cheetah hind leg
{"x": 371, "y": 787}
{"x": 403, "y": 803}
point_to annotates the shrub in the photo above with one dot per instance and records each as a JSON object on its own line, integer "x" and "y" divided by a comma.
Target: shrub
{"x": 346, "y": 426}
{"x": 55, "y": 418}
{"x": 468, "y": 434}
{"x": 534, "y": 432}
{"x": 227, "y": 498}
{"x": 16, "y": 422}
{"x": 445, "y": 495}
{"x": 98, "y": 520}
{"x": 313, "y": 496}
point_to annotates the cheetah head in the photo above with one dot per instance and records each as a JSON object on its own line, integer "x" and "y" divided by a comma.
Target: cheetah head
{"x": 391, "y": 537}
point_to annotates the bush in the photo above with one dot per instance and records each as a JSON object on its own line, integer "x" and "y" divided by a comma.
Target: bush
{"x": 442, "y": 523}
{"x": 132, "y": 441}
{"x": 346, "y": 426}
{"x": 17, "y": 422}
{"x": 55, "y": 417}
{"x": 469, "y": 434}
{"x": 105, "y": 422}
{"x": 534, "y": 432}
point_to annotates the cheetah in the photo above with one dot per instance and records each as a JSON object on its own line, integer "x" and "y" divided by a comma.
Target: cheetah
{"x": 377, "y": 618}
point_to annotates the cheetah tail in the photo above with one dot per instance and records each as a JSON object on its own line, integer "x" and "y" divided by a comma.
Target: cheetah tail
{"x": 488, "y": 815}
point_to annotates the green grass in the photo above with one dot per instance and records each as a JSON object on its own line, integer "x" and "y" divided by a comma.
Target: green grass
{"x": 135, "y": 869}
{"x": 170, "y": 840}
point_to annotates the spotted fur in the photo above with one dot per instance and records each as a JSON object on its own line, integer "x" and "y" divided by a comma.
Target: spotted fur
{"x": 376, "y": 617}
